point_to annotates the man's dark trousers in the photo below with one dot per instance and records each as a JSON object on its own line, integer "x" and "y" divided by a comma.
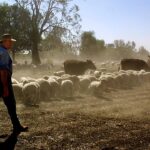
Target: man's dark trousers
{"x": 10, "y": 103}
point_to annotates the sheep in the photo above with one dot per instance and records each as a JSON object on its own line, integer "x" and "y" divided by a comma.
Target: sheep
{"x": 45, "y": 91}
{"x": 76, "y": 83}
{"x": 133, "y": 79}
{"x": 84, "y": 84}
{"x": 14, "y": 81}
{"x": 103, "y": 69}
{"x": 90, "y": 77}
{"x": 46, "y": 77}
{"x": 144, "y": 77}
{"x": 94, "y": 88}
{"x": 17, "y": 88}
{"x": 97, "y": 73}
{"x": 103, "y": 64}
{"x": 31, "y": 94}
{"x": 59, "y": 73}
{"x": 65, "y": 76}
{"x": 67, "y": 88}
{"x": 25, "y": 80}
{"x": 110, "y": 82}
{"x": 55, "y": 78}
{"x": 54, "y": 87}
{"x": 74, "y": 79}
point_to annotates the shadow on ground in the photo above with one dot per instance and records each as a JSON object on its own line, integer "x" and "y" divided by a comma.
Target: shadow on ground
{"x": 9, "y": 143}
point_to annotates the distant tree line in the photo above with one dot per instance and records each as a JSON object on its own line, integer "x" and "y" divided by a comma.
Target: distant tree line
{"x": 54, "y": 25}
{"x": 96, "y": 48}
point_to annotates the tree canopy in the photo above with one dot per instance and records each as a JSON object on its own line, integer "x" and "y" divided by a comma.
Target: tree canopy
{"x": 48, "y": 14}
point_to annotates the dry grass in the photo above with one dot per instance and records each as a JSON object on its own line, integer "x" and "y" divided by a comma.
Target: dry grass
{"x": 119, "y": 120}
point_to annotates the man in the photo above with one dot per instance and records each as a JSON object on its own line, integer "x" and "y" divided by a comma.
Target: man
{"x": 6, "y": 90}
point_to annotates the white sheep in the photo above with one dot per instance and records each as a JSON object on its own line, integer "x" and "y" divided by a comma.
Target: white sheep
{"x": 144, "y": 77}
{"x": 14, "y": 81}
{"x": 74, "y": 79}
{"x": 17, "y": 88}
{"x": 59, "y": 73}
{"x": 84, "y": 84}
{"x": 57, "y": 78}
{"x": 97, "y": 73}
{"x": 67, "y": 88}
{"x": 31, "y": 93}
{"x": 94, "y": 88}
{"x": 76, "y": 83}
{"x": 46, "y": 77}
{"x": 54, "y": 88}
{"x": 45, "y": 91}
{"x": 25, "y": 80}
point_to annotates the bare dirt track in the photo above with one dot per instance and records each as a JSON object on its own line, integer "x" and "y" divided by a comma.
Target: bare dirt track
{"x": 118, "y": 120}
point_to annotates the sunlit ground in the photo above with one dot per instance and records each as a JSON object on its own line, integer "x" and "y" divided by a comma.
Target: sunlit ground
{"x": 120, "y": 120}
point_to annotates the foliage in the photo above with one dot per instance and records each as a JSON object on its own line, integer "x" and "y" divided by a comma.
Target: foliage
{"x": 48, "y": 14}
{"x": 16, "y": 20}
{"x": 88, "y": 44}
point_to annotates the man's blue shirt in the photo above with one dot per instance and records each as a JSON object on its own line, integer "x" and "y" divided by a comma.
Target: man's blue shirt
{"x": 5, "y": 59}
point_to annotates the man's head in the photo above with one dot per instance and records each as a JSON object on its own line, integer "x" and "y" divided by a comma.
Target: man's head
{"x": 7, "y": 41}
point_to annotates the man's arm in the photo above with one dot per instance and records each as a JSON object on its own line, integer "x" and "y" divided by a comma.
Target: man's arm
{"x": 4, "y": 73}
{"x": 4, "y": 79}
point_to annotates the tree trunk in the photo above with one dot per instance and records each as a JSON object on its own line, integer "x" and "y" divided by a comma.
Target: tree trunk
{"x": 35, "y": 54}
{"x": 35, "y": 42}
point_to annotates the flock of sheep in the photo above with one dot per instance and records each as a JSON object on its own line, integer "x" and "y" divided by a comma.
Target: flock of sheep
{"x": 60, "y": 85}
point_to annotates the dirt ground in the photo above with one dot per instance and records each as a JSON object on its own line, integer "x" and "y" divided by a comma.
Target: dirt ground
{"x": 119, "y": 120}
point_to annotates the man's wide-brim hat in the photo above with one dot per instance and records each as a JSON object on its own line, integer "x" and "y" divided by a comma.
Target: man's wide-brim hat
{"x": 7, "y": 36}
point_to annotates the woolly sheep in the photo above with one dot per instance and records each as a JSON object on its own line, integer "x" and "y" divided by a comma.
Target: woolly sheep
{"x": 97, "y": 73}
{"x": 14, "y": 81}
{"x": 25, "y": 80}
{"x": 76, "y": 83}
{"x": 94, "y": 88}
{"x": 54, "y": 88}
{"x": 67, "y": 88}
{"x": 59, "y": 73}
{"x": 90, "y": 77}
{"x": 46, "y": 77}
{"x": 84, "y": 84}
{"x": 74, "y": 79}
{"x": 17, "y": 88}
{"x": 31, "y": 93}
{"x": 57, "y": 78}
{"x": 45, "y": 92}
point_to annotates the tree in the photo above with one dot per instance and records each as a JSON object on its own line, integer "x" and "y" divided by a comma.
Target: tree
{"x": 53, "y": 40}
{"x": 88, "y": 44}
{"x": 100, "y": 44}
{"x": 47, "y": 14}
{"x": 12, "y": 21}
{"x": 4, "y": 18}
{"x": 124, "y": 49}
{"x": 20, "y": 26}
{"x": 123, "y": 44}
{"x": 143, "y": 52}
{"x": 16, "y": 21}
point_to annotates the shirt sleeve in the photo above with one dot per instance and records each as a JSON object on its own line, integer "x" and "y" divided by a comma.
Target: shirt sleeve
{"x": 4, "y": 60}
